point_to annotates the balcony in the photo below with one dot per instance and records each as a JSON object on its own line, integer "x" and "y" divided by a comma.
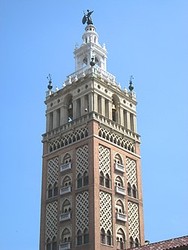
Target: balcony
{"x": 65, "y": 190}
{"x": 65, "y": 246}
{"x": 65, "y": 166}
{"x": 119, "y": 167}
{"x": 121, "y": 217}
{"x": 120, "y": 190}
{"x": 65, "y": 216}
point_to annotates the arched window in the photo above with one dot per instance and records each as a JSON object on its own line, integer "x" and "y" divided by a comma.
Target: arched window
{"x": 134, "y": 190}
{"x": 65, "y": 236}
{"x": 79, "y": 237}
{"x": 119, "y": 181}
{"x": 131, "y": 242}
{"x": 50, "y": 193}
{"x": 67, "y": 158}
{"x": 101, "y": 178}
{"x": 66, "y": 181}
{"x": 120, "y": 239}
{"x": 86, "y": 178}
{"x": 55, "y": 189}
{"x": 66, "y": 206}
{"x": 109, "y": 238}
{"x": 107, "y": 181}
{"x": 70, "y": 108}
{"x": 79, "y": 180}
{"x": 115, "y": 103}
{"x": 118, "y": 159}
{"x": 48, "y": 244}
{"x": 136, "y": 242}
{"x": 54, "y": 243}
{"x": 86, "y": 236}
{"x": 120, "y": 207}
{"x": 103, "y": 236}
{"x": 129, "y": 189}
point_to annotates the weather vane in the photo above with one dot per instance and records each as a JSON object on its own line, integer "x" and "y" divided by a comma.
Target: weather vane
{"x": 87, "y": 18}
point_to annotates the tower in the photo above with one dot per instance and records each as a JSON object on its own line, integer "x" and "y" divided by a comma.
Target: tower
{"x": 91, "y": 177}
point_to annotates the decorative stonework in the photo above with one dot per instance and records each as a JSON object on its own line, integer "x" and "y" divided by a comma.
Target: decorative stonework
{"x": 67, "y": 139}
{"x": 131, "y": 171}
{"x": 82, "y": 159}
{"x": 105, "y": 211}
{"x": 104, "y": 160}
{"x": 51, "y": 220}
{"x": 82, "y": 211}
{"x": 117, "y": 139}
{"x": 133, "y": 220}
{"x": 52, "y": 171}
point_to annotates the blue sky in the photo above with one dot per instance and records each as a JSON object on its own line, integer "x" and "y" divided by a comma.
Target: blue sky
{"x": 147, "y": 39}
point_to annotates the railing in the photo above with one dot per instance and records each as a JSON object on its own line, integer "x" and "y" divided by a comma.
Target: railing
{"x": 119, "y": 167}
{"x": 65, "y": 246}
{"x": 120, "y": 190}
{"x": 65, "y": 216}
{"x": 65, "y": 166}
{"x": 122, "y": 217}
{"x": 64, "y": 190}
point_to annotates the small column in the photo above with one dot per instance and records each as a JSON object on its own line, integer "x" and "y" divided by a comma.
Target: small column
{"x": 91, "y": 104}
{"x": 103, "y": 106}
{"x": 121, "y": 116}
{"x": 82, "y": 107}
{"x": 110, "y": 110}
{"x": 54, "y": 119}
{"x": 63, "y": 115}
{"x": 95, "y": 108}
{"x": 134, "y": 123}
{"x": 128, "y": 120}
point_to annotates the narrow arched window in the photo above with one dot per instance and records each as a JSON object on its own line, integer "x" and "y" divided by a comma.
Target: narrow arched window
{"x": 103, "y": 236}
{"x": 131, "y": 242}
{"x": 134, "y": 191}
{"x": 79, "y": 237}
{"x": 136, "y": 243}
{"x": 54, "y": 244}
{"x": 129, "y": 190}
{"x": 86, "y": 236}
{"x": 55, "y": 189}
{"x": 79, "y": 180}
{"x": 48, "y": 244}
{"x": 101, "y": 178}
{"x": 107, "y": 181}
{"x": 86, "y": 179}
{"x": 109, "y": 238}
{"x": 49, "y": 191}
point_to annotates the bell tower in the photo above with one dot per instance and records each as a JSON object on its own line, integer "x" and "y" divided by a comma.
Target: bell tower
{"x": 91, "y": 177}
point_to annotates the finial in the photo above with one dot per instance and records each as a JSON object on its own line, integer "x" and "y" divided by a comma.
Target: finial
{"x": 131, "y": 84}
{"x": 87, "y": 18}
{"x": 49, "y": 82}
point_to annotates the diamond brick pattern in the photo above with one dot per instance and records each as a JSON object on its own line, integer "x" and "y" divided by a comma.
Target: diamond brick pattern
{"x": 51, "y": 220}
{"x": 82, "y": 159}
{"x": 82, "y": 211}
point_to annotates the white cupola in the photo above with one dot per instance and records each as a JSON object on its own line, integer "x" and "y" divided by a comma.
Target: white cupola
{"x": 90, "y": 50}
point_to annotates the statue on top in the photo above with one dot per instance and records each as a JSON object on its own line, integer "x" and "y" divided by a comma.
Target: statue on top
{"x": 87, "y": 18}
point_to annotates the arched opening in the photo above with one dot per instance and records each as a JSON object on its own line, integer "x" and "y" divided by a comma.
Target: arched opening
{"x": 101, "y": 178}
{"x": 86, "y": 178}
{"x": 65, "y": 236}
{"x": 79, "y": 237}
{"x": 103, "y": 236}
{"x": 86, "y": 236}
{"x": 109, "y": 238}
{"x": 79, "y": 180}
{"x": 120, "y": 239}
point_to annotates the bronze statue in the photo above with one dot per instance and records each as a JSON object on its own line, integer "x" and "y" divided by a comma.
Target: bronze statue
{"x": 87, "y": 18}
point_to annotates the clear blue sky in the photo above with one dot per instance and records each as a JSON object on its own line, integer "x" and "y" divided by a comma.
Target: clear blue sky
{"x": 144, "y": 38}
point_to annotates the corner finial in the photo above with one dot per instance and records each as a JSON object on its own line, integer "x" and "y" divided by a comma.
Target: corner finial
{"x": 49, "y": 82}
{"x": 131, "y": 87}
{"x": 87, "y": 18}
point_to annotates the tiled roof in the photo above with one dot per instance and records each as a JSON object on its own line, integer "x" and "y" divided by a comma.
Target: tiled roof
{"x": 175, "y": 243}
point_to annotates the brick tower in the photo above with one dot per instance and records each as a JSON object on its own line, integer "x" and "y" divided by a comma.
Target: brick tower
{"x": 91, "y": 178}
